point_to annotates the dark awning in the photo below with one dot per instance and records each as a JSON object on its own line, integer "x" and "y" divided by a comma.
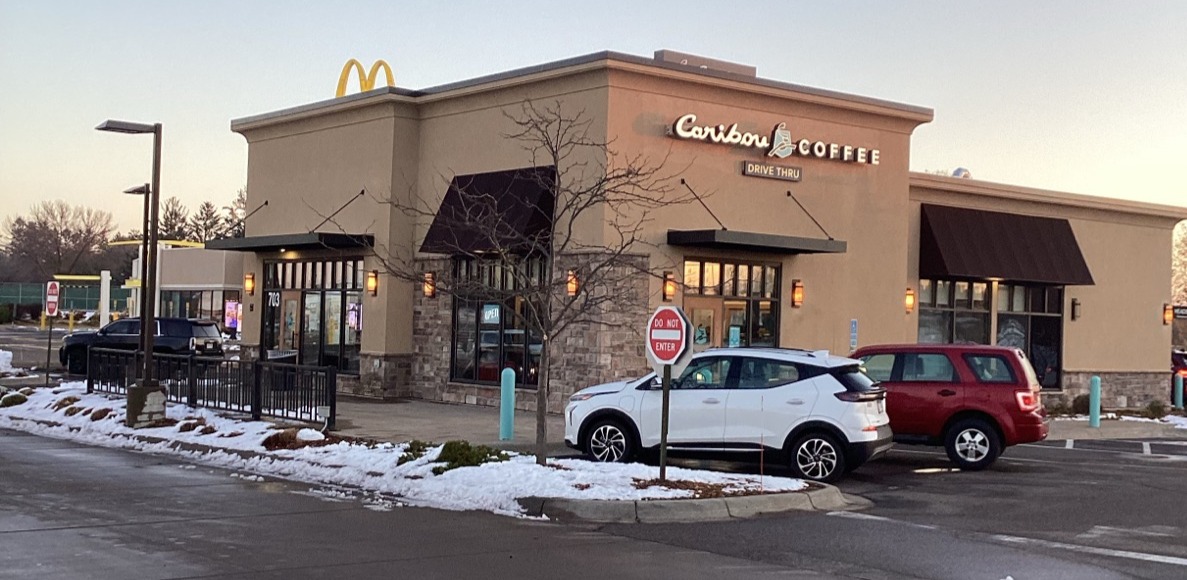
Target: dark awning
{"x": 958, "y": 242}
{"x": 309, "y": 241}
{"x": 753, "y": 242}
{"x": 503, "y": 210}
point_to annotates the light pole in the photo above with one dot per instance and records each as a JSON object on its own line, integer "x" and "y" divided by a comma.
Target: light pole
{"x": 146, "y": 191}
{"x": 140, "y": 410}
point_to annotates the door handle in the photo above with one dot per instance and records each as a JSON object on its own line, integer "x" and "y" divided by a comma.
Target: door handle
{"x": 946, "y": 393}
{"x": 795, "y": 401}
{"x": 711, "y": 401}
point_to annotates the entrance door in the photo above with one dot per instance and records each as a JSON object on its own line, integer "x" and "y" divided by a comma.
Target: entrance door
{"x": 736, "y": 324}
{"x": 289, "y": 321}
{"x": 705, "y": 314}
{"x": 311, "y": 330}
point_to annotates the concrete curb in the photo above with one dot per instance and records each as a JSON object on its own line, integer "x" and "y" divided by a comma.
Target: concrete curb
{"x": 818, "y": 497}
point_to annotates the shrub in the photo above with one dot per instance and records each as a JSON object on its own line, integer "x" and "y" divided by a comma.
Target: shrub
{"x": 461, "y": 454}
{"x": 1057, "y": 407}
{"x": 1080, "y": 405}
{"x": 12, "y": 399}
{"x": 100, "y": 414}
{"x": 5, "y": 313}
{"x": 1156, "y": 410}
{"x": 416, "y": 449}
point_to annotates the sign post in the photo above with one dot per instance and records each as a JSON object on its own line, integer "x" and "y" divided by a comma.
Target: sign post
{"x": 52, "y": 290}
{"x": 668, "y": 345}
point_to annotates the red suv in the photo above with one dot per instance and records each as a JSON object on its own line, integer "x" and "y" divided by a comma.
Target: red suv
{"x": 974, "y": 400}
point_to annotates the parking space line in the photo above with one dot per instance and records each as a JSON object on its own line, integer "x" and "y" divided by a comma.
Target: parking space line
{"x": 1145, "y": 447}
{"x": 1093, "y": 550}
{"x": 1069, "y": 444}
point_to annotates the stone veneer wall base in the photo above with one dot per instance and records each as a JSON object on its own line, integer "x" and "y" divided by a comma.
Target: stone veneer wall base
{"x": 1119, "y": 390}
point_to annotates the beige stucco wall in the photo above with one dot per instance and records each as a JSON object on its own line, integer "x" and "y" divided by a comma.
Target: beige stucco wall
{"x": 198, "y": 268}
{"x": 850, "y": 200}
{"x": 1127, "y": 247}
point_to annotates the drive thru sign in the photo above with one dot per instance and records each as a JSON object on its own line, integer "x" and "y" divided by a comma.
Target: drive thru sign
{"x": 51, "y": 298}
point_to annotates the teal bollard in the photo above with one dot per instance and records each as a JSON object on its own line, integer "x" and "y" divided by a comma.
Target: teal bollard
{"x": 507, "y": 405}
{"x": 1094, "y": 403}
{"x": 1179, "y": 392}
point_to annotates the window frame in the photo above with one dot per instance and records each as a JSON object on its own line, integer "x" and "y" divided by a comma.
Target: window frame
{"x": 968, "y": 360}
{"x": 901, "y": 366}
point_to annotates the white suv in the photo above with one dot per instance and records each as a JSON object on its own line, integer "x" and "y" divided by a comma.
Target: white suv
{"x": 820, "y": 413}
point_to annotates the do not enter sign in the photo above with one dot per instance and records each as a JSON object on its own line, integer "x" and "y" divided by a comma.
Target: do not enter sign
{"x": 668, "y": 338}
{"x": 51, "y": 298}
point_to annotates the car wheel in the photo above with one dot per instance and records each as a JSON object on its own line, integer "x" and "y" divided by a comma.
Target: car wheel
{"x": 76, "y": 362}
{"x": 607, "y": 441}
{"x": 818, "y": 457}
{"x": 972, "y": 444}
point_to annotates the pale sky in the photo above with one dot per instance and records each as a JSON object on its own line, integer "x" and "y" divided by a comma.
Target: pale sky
{"x": 1083, "y": 97}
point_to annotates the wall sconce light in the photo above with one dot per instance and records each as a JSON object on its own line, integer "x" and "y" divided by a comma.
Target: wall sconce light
{"x": 909, "y": 300}
{"x": 373, "y": 282}
{"x": 249, "y": 283}
{"x": 1168, "y": 314}
{"x": 1075, "y": 308}
{"x": 571, "y": 283}
{"x": 797, "y": 293}
{"x": 669, "y": 286}
{"x": 430, "y": 285}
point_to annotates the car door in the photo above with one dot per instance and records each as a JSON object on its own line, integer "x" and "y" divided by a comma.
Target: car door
{"x": 923, "y": 393}
{"x": 696, "y": 418}
{"x": 121, "y": 334}
{"x": 770, "y": 398}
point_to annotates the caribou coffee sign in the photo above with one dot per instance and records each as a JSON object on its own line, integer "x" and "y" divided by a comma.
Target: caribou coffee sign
{"x": 780, "y": 144}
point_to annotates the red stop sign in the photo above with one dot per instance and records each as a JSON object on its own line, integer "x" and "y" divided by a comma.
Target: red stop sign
{"x": 667, "y": 335}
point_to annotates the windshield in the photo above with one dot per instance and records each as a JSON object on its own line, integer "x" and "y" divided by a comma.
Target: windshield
{"x": 206, "y": 331}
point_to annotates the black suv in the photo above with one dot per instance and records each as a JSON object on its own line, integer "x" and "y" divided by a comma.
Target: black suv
{"x": 174, "y": 336}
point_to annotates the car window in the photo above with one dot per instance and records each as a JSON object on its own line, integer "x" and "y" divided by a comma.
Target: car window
{"x": 758, "y": 373}
{"x": 854, "y": 379}
{"x": 990, "y": 368}
{"x": 206, "y": 331}
{"x": 123, "y": 327}
{"x": 175, "y": 328}
{"x": 927, "y": 367}
{"x": 878, "y": 366}
{"x": 705, "y": 373}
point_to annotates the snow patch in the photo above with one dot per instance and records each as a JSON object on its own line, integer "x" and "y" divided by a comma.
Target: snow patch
{"x": 5, "y": 361}
{"x": 310, "y": 435}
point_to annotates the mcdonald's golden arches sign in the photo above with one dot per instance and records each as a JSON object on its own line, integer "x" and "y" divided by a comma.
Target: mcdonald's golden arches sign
{"x": 367, "y": 81}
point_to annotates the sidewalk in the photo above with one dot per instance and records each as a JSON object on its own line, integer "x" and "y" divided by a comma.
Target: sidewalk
{"x": 399, "y": 421}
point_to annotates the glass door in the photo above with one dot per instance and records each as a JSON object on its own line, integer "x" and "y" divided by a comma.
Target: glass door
{"x": 311, "y": 330}
{"x": 736, "y": 323}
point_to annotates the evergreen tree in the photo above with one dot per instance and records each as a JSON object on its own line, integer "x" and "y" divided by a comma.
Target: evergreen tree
{"x": 206, "y": 224}
{"x": 174, "y": 221}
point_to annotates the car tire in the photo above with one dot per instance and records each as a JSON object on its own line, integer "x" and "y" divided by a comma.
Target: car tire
{"x": 972, "y": 444}
{"x": 76, "y": 361}
{"x": 817, "y": 456}
{"x": 609, "y": 441}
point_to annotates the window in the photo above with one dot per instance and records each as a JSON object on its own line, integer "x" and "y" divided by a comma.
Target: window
{"x": 705, "y": 373}
{"x": 953, "y": 312}
{"x": 312, "y": 309}
{"x": 751, "y": 298}
{"x": 879, "y": 366}
{"x": 927, "y": 367}
{"x": 490, "y": 335}
{"x": 757, "y": 373}
{"x": 1030, "y": 318}
{"x": 123, "y": 327}
{"x": 990, "y": 368}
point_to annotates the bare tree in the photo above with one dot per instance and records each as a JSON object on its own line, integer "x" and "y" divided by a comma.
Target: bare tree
{"x": 56, "y": 238}
{"x": 563, "y": 239}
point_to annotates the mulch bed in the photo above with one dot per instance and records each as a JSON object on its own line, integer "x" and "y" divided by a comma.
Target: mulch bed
{"x": 287, "y": 439}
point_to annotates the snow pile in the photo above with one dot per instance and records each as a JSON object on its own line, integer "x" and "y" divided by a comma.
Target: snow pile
{"x": 1177, "y": 421}
{"x": 5, "y": 361}
{"x": 97, "y": 419}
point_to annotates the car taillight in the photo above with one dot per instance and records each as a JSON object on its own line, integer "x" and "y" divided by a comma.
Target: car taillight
{"x": 1183, "y": 373}
{"x": 861, "y": 396}
{"x": 1027, "y": 400}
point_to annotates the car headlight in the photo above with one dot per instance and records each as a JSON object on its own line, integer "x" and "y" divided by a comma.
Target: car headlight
{"x": 584, "y": 396}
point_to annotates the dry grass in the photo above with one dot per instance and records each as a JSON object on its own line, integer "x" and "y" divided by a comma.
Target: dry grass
{"x": 65, "y": 402}
{"x": 100, "y": 414}
{"x": 287, "y": 439}
{"x": 207, "y": 430}
{"x": 191, "y": 424}
{"x": 699, "y": 489}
